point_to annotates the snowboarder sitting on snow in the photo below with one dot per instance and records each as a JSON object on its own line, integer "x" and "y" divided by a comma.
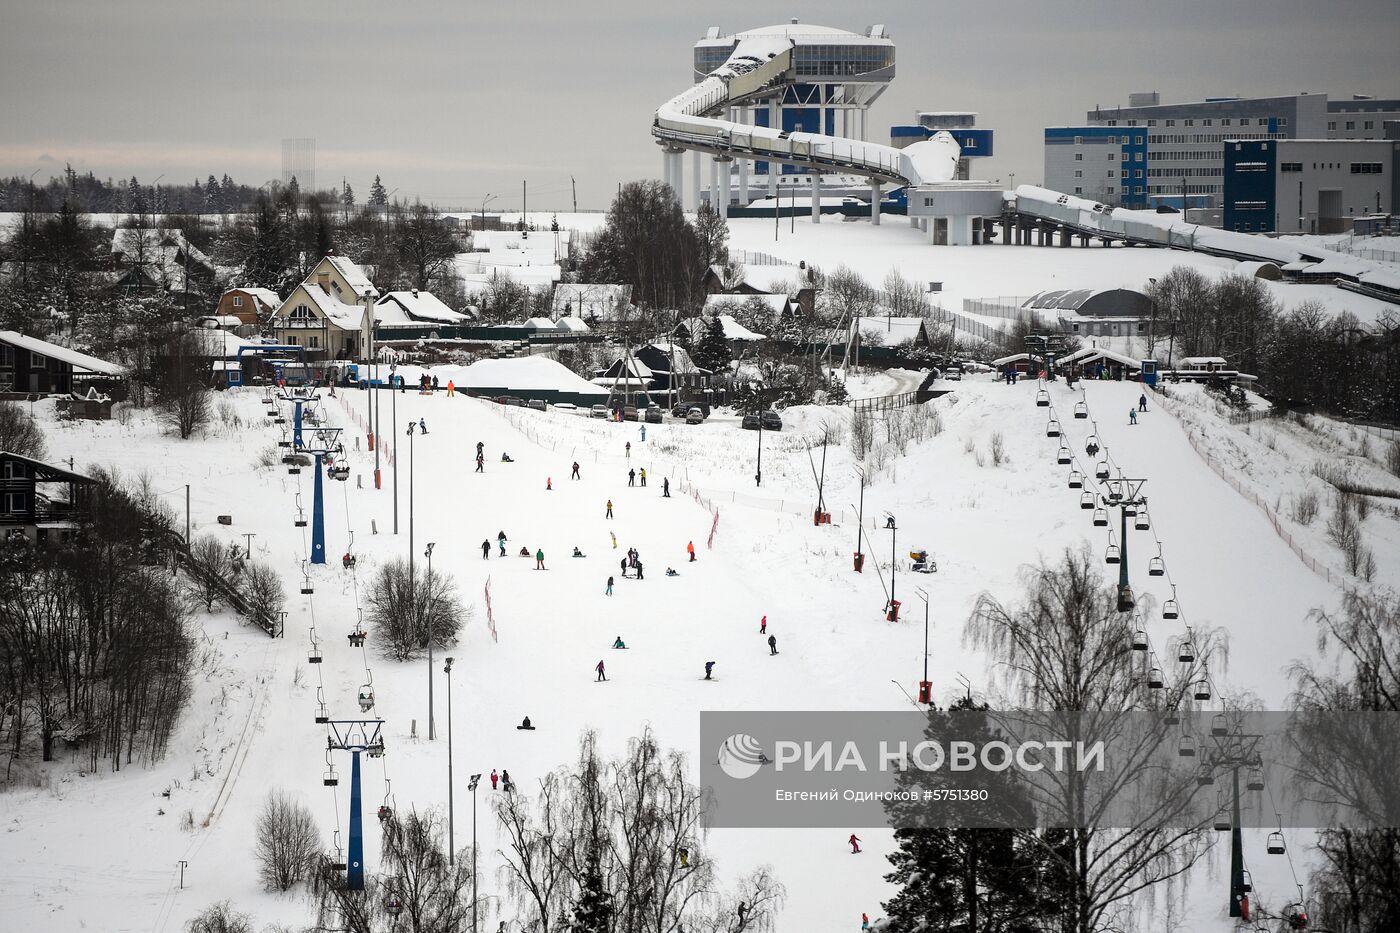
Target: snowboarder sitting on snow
{"x": 506, "y": 458}
{"x": 524, "y": 552}
{"x": 525, "y": 725}
{"x": 671, "y": 572}
{"x": 618, "y": 643}
{"x": 578, "y": 553}
{"x": 348, "y": 560}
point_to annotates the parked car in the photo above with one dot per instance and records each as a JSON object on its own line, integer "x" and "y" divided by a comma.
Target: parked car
{"x": 953, "y": 373}
{"x": 680, "y": 411}
{"x": 750, "y": 423}
{"x": 629, "y": 413}
{"x": 537, "y": 404}
{"x": 654, "y": 414}
{"x": 598, "y": 411}
{"x": 770, "y": 421}
{"x": 694, "y": 416}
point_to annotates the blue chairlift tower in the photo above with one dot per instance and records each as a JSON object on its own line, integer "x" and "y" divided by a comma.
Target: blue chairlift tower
{"x": 356, "y": 736}
{"x": 324, "y": 445}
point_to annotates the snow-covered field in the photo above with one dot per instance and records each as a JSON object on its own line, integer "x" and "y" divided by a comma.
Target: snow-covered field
{"x": 100, "y": 851}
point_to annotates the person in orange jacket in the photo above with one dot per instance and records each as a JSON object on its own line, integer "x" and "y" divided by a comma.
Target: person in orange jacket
{"x": 451, "y": 388}
{"x": 690, "y": 549}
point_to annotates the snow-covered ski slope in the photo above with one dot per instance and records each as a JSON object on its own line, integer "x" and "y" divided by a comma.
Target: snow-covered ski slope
{"x": 91, "y": 851}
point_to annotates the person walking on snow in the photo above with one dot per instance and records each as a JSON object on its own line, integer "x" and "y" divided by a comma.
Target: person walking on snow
{"x": 644, "y": 434}
{"x": 548, "y": 484}
{"x": 623, "y": 563}
{"x": 690, "y": 549}
{"x": 539, "y": 559}
{"x": 480, "y": 463}
{"x": 480, "y": 449}
{"x": 609, "y": 508}
{"x": 638, "y": 565}
{"x": 709, "y": 666}
{"x": 772, "y": 645}
{"x": 643, "y": 475}
{"x": 602, "y": 672}
{"x": 855, "y": 843}
{"x": 451, "y": 388}
{"x": 631, "y": 477}
{"x": 501, "y": 540}
{"x": 435, "y": 385}
{"x": 665, "y": 487}
{"x": 1142, "y": 402}
{"x": 865, "y": 921}
{"x": 494, "y": 778}
{"x": 763, "y": 626}
{"x": 507, "y": 784}
{"x": 1132, "y": 416}
{"x": 575, "y": 475}
{"x": 629, "y": 450}
{"x": 486, "y": 550}
{"x": 608, "y": 591}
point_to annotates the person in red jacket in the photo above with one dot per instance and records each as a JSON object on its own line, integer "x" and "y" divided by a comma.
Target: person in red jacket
{"x": 602, "y": 674}
{"x": 855, "y": 843}
{"x": 494, "y": 778}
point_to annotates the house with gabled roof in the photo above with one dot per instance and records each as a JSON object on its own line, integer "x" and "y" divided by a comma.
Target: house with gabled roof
{"x": 251, "y": 305}
{"x": 329, "y": 312}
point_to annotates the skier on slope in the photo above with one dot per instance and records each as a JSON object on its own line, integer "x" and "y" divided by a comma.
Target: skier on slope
{"x": 602, "y": 672}
{"x": 539, "y": 559}
{"x": 665, "y": 487}
{"x": 486, "y": 550}
{"x": 631, "y": 477}
{"x": 763, "y": 626}
{"x": 1132, "y": 416}
{"x": 643, "y": 476}
{"x": 609, "y": 508}
{"x": 495, "y": 778}
{"x": 1142, "y": 402}
{"x": 709, "y": 666}
{"x": 772, "y": 645}
{"x": 855, "y": 843}
{"x": 501, "y": 540}
{"x": 690, "y": 549}
{"x": 575, "y": 474}
{"x": 608, "y": 591}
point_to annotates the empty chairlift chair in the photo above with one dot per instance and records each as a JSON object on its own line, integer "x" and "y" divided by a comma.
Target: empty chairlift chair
{"x": 1155, "y": 678}
{"x": 1156, "y": 567}
{"x": 1275, "y": 844}
{"x": 1076, "y": 479}
{"x": 1042, "y": 399}
{"x": 314, "y": 657}
{"x": 1170, "y": 609}
{"x": 1186, "y": 747}
{"x": 1081, "y": 410}
{"x": 1052, "y": 428}
{"x": 1087, "y": 500}
{"x": 1111, "y": 555}
{"x": 1064, "y": 457}
{"x": 1142, "y": 522}
{"x": 1255, "y": 781}
{"x": 1201, "y": 690}
{"x": 1223, "y": 823}
{"x": 1100, "y": 518}
{"x": 1186, "y": 651}
{"x": 1219, "y": 725}
{"x": 1139, "y": 640}
{"x": 1204, "y": 776}
{"x": 330, "y": 779}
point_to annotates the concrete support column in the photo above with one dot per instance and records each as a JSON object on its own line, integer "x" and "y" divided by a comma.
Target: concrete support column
{"x": 816, "y": 197}
{"x": 714, "y": 183}
{"x": 1065, "y": 236}
{"x": 743, "y": 182}
{"x": 724, "y": 182}
{"x": 874, "y": 203}
{"x": 931, "y": 230}
{"x": 696, "y": 160}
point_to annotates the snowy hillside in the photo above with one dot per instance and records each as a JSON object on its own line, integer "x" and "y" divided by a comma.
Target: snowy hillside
{"x": 107, "y": 857}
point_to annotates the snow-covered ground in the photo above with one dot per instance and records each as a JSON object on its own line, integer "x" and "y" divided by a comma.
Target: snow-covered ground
{"x": 995, "y": 270}
{"x": 96, "y": 852}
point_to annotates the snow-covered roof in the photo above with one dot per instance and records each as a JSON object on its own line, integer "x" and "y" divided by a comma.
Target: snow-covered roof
{"x": 219, "y": 320}
{"x": 1203, "y": 360}
{"x": 79, "y": 361}
{"x": 354, "y": 276}
{"x": 540, "y": 323}
{"x": 1073, "y": 299}
{"x": 1013, "y": 358}
{"x": 1086, "y": 354}
{"x": 572, "y": 324}
{"x": 682, "y": 361}
{"x": 894, "y": 330}
{"x": 523, "y": 373}
{"x": 264, "y": 296}
{"x": 402, "y": 309}
{"x": 342, "y": 315}
{"x": 733, "y": 330}
{"x": 774, "y": 303}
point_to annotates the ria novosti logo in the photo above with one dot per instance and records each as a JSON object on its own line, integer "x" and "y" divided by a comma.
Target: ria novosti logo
{"x": 741, "y": 755}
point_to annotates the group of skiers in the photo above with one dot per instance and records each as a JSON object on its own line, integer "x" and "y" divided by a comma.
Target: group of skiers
{"x": 503, "y": 778}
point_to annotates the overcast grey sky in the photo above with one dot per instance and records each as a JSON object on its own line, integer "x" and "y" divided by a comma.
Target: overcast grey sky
{"x": 450, "y": 100}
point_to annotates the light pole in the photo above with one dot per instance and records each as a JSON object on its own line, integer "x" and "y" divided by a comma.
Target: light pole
{"x": 393, "y": 432}
{"x": 485, "y": 201}
{"x": 860, "y": 523}
{"x": 428, "y": 612}
{"x": 476, "y": 779}
{"x": 925, "y": 685}
{"x": 451, "y": 812}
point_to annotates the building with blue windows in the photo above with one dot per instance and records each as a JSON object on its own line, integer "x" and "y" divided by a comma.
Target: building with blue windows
{"x": 961, "y": 124}
{"x": 1105, "y": 163}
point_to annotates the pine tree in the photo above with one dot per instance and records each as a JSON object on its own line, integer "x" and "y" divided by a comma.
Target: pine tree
{"x": 377, "y": 196}
{"x": 347, "y": 196}
{"x": 593, "y": 910}
{"x": 228, "y": 195}
{"x": 955, "y": 877}
{"x": 294, "y": 191}
{"x": 712, "y": 350}
{"x": 135, "y": 196}
{"x": 213, "y": 195}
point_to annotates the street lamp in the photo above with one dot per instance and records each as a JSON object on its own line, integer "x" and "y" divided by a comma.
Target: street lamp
{"x": 485, "y": 201}
{"x": 476, "y": 779}
{"x": 393, "y": 432}
{"x": 860, "y": 523}
{"x": 451, "y": 813}
{"x": 432, "y": 732}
